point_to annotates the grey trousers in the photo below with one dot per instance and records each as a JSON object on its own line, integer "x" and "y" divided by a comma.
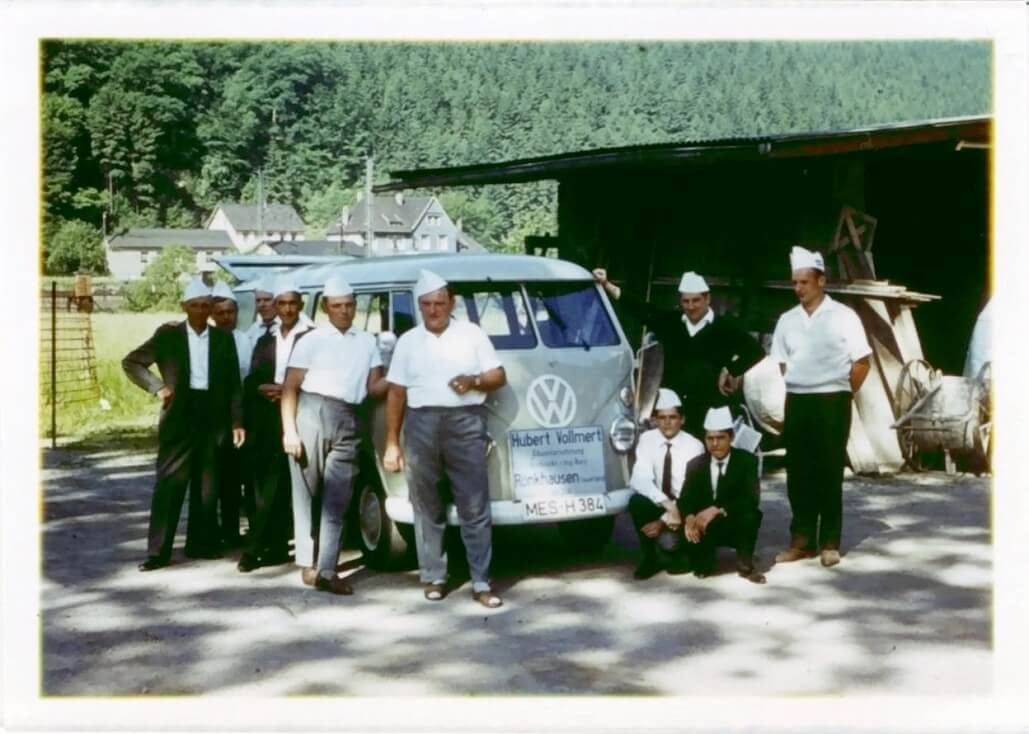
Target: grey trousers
{"x": 322, "y": 479}
{"x": 449, "y": 441}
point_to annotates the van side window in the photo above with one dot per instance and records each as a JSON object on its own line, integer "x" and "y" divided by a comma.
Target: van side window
{"x": 499, "y": 309}
{"x": 371, "y": 315}
{"x": 403, "y": 311}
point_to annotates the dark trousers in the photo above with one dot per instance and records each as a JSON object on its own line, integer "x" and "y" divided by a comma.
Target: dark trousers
{"x": 231, "y": 470}
{"x": 815, "y": 432}
{"x": 191, "y": 461}
{"x": 737, "y": 532}
{"x": 269, "y": 530}
{"x": 643, "y": 510}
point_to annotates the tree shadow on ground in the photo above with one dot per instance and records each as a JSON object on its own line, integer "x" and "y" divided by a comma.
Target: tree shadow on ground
{"x": 914, "y": 587}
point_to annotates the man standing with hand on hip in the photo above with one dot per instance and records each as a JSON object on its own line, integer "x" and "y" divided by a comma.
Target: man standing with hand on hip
{"x": 438, "y": 380}
{"x": 823, "y": 353}
{"x": 200, "y": 412}
{"x": 330, "y": 373}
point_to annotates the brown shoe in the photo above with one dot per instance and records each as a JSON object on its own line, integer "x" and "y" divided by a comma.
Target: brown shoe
{"x": 830, "y": 557}
{"x": 793, "y": 554}
{"x": 308, "y": 575}
{"x": 335, "y": 585}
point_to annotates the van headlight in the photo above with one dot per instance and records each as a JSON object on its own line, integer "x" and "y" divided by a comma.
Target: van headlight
{"x": 623, "y": 434}
{"x": 626, "y": 396}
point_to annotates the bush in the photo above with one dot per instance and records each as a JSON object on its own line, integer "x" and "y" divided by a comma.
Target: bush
{"x": 75, "y": 247}
{"x": 161, "y": 286}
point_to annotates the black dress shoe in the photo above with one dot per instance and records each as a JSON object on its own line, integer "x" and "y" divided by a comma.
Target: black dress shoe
{"x": 152, "y": 563}
{"x": 648, "y": 568}
{"x": 335, "y": 585}
{"x": 702, "y": 572}
{"x": 247, "y": 563}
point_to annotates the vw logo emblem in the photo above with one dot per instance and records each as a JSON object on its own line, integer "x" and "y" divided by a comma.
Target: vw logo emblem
{"x": 551, "y": 401}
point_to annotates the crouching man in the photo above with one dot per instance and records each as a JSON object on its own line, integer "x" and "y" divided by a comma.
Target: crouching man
{"x": 720, "y": 501}
{"x": 657, "y": 476}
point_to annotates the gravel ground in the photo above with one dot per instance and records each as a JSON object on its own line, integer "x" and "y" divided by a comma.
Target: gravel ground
{"x": 907, "y": 612}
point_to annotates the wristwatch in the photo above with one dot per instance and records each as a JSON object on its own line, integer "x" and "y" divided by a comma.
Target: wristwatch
{"x": 478, "y": 381}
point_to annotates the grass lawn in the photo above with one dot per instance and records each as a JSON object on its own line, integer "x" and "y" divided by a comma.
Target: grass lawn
{"x": 132, "y": 410}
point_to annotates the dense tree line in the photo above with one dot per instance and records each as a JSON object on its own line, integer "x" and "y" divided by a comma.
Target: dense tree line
{"x": 159, "y": 132}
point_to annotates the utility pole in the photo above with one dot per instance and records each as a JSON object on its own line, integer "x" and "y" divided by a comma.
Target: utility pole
{"x": 260, "y": 205}
{"x": 369, "y": 232}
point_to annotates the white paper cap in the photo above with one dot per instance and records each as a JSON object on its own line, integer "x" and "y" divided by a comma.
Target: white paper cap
{"x": 801, "y": 258}
{"x": 221, "y": 290}
{"x": 337, "y": 285}
{"x": 718, "y": 419}
{"x": 667, "y": 399}
{"x": 692, "y": 283}
{"x": 285, "y": 284}
{"x": 428, "y": 282}
{"x": 264, "y": 285}
{"x": 196, "y": 289}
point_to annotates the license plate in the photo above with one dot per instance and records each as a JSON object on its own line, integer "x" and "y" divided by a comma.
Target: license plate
{"x": 564, "y": 507}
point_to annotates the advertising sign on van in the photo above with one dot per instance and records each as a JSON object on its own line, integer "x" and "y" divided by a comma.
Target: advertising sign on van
{"x": 555, "y": 463}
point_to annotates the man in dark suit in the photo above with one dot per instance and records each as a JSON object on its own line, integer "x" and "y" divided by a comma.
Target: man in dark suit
{"x": 708, "y": 353}
{"x": 201, "y": 410}
{"x": 720, "y": 501}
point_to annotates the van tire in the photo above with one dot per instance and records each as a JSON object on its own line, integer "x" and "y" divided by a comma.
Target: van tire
{"x": 383, "y": 544}
{"x": 587, "y": 536}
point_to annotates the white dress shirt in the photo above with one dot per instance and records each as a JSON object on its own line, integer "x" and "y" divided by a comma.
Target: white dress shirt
{"x": 649, "y": 468}
{"x": 337, "y": 363}
{"x": 199, "y": 356}
{"x": 244, "y": 351}
{"x": 425, "y": 363}
{"x": 258, "y": 329}
{"x": 284, "y": 347}
{"x": 819, "y": 349}
{"x": 704, "y": 321}
{"x": 714, "y": 472}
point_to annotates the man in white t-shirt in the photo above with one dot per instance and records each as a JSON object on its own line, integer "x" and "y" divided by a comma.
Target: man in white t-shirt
{"x": 438, "y": 380}
{"x": 657, "y": 476}
{"x": 823, "y": 353}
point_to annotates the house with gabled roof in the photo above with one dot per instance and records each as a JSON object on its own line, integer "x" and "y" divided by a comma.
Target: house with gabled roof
{"x": 130, "y": 251}
{"x": 248, "y": 225}
{"x": 400, "y": 225}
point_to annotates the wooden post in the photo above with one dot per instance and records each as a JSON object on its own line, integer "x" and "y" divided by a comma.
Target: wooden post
{"x": 53, "y": 364}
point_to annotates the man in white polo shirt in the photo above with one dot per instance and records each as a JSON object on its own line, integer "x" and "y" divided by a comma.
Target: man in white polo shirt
{"x": 330, "y": 373}
{"x": 823, "y": 352}
{"x": 657, "y": 476}
{"x": 440, "y": 373}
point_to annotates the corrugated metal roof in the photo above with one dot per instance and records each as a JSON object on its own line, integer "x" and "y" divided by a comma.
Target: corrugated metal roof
{"x": 765, "y": 147}
{"x": 158, "y": 239}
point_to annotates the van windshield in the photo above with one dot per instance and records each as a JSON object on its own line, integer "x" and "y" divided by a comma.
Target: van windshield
{"x": 499, "y": 309}
{"x": 571, "y": 315}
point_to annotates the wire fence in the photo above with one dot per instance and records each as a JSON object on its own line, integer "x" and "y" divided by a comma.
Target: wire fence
{"x": 67, "y": 352}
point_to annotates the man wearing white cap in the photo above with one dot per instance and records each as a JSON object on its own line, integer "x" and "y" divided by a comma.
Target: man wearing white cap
{"x": 330, "y": 373}
{"x": 705, "y": 354}
{"x": 440, "y": 374}
{"x": 200, "y": 412}
{"x": 224, "y": 314}
{"x": 661, "y": 457}
{"x": 823, "y": 352}
{"x": 720, "y": 501}
{"x": 264, "y": 304}
{"x": 268, "y": 539}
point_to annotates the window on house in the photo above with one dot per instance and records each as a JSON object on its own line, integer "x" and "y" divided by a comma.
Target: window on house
{"x": 433, "y": 220}
{"x": 143, "y": 256}
{"x": 424, "y": 242}
{"x": 444, "y": 242}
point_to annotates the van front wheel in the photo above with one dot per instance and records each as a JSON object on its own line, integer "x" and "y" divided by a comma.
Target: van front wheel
{"x": 587, "y": 536}
{"x": 383, "y": 544}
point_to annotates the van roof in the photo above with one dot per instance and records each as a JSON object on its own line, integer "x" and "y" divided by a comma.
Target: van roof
{"x": 402, "y": 269}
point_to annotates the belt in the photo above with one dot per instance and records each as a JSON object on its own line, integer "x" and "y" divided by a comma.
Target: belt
{"x": 446, "y": 408}
{"x": 329, "y": 399}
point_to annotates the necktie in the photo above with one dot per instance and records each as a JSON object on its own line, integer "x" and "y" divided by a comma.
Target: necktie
{"x": 666, "y": 472}
{"x": 721, "y": 473}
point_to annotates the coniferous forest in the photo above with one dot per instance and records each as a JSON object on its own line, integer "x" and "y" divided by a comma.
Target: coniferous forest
{"x": 158, "y": 132}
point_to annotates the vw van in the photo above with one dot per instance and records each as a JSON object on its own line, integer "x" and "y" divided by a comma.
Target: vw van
{"x": 560, "y": 432}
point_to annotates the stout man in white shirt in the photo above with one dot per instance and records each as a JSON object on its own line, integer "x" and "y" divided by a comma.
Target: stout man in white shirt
{"x": 657, "y": 476}
{"x": 200, "y": 412}
{"x": 823, "y": 353}
{"x": 440, "y": 374}
{"x": 330, "y": 373}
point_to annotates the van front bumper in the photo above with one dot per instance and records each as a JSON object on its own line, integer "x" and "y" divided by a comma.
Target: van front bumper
{"x": 512, "y": 512}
